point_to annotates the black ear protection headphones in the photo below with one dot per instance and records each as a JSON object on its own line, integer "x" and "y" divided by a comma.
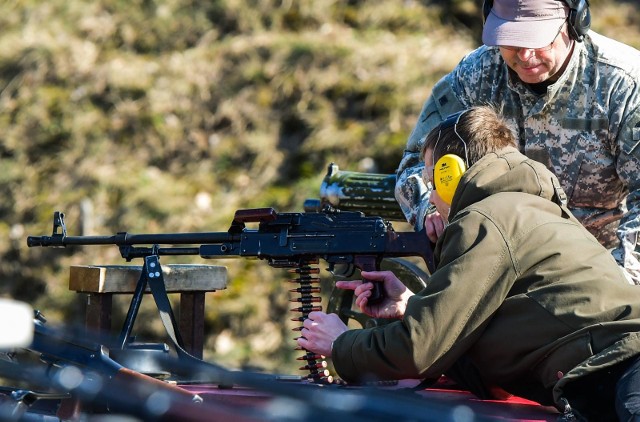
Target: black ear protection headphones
{"x": 579, "y": 16}
{"x": 449, "y": 168}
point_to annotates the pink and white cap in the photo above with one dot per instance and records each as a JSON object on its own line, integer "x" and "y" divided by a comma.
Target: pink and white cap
{"x": 524, "y": 23}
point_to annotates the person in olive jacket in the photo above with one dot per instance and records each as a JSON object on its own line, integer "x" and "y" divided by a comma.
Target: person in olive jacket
{"x": 523, "y": 297}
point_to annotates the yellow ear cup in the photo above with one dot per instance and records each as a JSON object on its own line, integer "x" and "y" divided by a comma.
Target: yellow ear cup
{"x": 446, "y": 176}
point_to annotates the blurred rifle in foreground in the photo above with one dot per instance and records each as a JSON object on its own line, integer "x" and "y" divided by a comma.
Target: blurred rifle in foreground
{"x": 84, "y": 378}
{"x": 80, "y": 382}
{"x": 79, "y": 379}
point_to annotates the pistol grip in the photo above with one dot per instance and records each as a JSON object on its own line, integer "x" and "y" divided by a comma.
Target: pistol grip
{"x": 371, "y": 263}
{"x": 377, "y": 294}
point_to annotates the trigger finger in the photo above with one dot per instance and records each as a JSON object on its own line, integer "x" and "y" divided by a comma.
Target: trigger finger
{"x": 363, "y": 296}
{"x": 365, "y": 287}
{"x": 361, "y": 301}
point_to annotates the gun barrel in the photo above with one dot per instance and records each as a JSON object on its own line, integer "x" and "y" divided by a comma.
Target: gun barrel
{"x": 122, "y": 239}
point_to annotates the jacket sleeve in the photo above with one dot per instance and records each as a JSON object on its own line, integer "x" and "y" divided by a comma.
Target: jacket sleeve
{"x": 442, "y": 321}
{"x": 628, "y": 166}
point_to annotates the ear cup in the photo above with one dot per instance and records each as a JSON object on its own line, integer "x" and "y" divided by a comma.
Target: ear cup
{"x": 486, "y": 9}
{"x": 579, "y": 18}
{"x": 447, "y": 174}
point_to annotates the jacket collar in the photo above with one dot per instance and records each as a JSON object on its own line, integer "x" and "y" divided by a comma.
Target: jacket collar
{"x": 506, "y": 170}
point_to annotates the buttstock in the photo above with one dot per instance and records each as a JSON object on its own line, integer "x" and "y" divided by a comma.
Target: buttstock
{"x": 146, "y": 385}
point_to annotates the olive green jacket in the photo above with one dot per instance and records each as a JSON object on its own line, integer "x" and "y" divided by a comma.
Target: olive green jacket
{"x": 521, "y": 289}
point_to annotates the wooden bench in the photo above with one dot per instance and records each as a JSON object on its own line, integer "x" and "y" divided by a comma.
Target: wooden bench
{"x": 191, "y": 281}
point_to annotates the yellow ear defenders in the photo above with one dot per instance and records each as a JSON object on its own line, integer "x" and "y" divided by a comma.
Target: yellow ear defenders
{"x": 447, "y": 174}
{"x": 449, "y": 169}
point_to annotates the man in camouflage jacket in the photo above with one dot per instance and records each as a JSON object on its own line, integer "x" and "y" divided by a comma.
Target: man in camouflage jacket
{"x": 573, "y": 102}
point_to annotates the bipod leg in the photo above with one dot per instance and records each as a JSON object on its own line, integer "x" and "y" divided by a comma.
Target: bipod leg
{"x": 158, "y": 290}
{"x": 134, "y": 307}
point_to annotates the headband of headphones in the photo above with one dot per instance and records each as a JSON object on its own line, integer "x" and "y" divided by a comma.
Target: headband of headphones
{"x": 579, "y": 16}
{"x": 449, "y": 168}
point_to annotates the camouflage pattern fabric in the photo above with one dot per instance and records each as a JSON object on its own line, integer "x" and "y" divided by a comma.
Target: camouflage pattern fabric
{"x": 585, "y": 128}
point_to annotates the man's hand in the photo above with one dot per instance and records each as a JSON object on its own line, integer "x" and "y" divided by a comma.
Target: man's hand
{"x": 319, "y": 332}
{"x": 434, "y": 225}
{"x": 395, "y": 299}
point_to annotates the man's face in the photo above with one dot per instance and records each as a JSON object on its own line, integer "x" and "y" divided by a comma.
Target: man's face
{"x": 539, "y": 65}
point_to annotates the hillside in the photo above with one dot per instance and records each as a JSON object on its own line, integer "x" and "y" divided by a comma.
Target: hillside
{"x": 167, "y": 116}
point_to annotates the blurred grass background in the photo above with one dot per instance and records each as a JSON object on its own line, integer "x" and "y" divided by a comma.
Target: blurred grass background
{"x": 167, "y": 116}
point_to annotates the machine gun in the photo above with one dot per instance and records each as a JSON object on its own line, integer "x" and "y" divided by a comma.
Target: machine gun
{"x": 346, "y": 240}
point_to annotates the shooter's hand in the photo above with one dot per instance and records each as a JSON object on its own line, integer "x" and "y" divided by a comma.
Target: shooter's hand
{"x": 395, "y": 298}
{"x": 434, "y": 225}
{"x": 319, "y": 331}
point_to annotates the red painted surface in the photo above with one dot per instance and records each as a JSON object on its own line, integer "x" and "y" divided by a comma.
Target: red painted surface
{"x": 511, "y": 409}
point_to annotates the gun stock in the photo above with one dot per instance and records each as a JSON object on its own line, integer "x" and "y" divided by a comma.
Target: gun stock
{"x": 86, "y": 373}
{"x": 61, "y": 350}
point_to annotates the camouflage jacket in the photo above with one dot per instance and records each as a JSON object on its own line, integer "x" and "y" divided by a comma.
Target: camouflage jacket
{"x": 585, "y": 128}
